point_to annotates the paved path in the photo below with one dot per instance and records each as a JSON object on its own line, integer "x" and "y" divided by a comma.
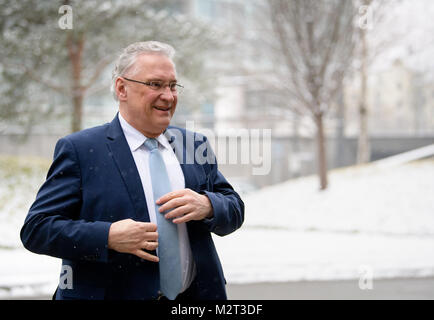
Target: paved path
{"x": 409, "y": 288}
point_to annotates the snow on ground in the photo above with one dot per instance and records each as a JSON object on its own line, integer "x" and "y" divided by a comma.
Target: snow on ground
{"x": 23, "y": 273}
{"x": 267, "y": 255}
{"x": 392, "y": 200}
{"x": 375, "y": 219}
{"x": 20, "y": 179}
{"x": 372, "y": 218}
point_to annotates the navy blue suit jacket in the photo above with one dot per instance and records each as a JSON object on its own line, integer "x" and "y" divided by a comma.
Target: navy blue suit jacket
{"x": 92, "y": 182}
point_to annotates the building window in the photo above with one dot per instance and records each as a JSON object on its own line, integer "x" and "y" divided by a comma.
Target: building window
{"x": 206, "y": 8}
{"x": 207, "y": 108}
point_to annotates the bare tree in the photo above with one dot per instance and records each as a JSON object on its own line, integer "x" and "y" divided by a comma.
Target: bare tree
{"x": 368, "y": 49}
{"x": 316, "y": 41}
{"x": 363, "y": 148}
{"x": 41, "y": 62}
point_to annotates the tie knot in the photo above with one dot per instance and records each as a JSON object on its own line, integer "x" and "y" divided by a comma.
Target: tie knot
{"x": 151, "y": 144}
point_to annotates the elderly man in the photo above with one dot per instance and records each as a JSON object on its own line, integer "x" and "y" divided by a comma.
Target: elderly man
{"x": 128, "y": 206}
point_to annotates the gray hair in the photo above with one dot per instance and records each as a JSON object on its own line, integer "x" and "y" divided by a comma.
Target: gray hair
{"x": 130, "y": 53}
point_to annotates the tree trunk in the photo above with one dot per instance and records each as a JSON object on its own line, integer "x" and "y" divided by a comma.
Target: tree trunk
{"x": 340, "y": 130}
{"x": 75, "y": 48}
{"x": 321, "y": 151}
{"x": 77, "y": 112}
{"x": 363, "y": 147}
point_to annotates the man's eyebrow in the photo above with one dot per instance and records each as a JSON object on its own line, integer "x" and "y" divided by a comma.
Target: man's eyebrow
{"x": 158, "y": 79}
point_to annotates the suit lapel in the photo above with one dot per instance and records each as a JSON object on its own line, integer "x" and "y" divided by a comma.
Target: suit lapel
{"x": 178, "y": 141}
{"x": 121, "y": 154}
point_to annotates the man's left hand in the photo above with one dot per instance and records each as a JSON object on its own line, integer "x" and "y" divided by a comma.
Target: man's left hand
{"x": 187, "y": 205}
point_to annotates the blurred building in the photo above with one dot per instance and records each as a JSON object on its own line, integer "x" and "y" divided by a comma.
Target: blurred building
{"x": 400, "y": 103}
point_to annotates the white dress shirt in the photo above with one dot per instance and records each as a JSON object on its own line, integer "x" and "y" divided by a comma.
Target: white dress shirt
{"x": 135, "y": 141}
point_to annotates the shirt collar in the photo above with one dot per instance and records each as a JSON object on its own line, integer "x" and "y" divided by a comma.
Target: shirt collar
{"x": 135, "y": 138}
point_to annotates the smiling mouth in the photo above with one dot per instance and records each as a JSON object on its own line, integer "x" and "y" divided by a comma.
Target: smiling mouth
{"x": 162, "y": 108}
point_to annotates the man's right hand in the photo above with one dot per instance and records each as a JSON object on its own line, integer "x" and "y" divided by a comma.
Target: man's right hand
{"x": 129, "y": 236}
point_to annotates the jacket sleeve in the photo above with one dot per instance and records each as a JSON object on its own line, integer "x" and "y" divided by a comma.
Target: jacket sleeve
{"x": 228, "y": 208}
{"x": 53, "y": 226}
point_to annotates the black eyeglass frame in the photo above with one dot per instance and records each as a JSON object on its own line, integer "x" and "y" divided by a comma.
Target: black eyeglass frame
{"x": 148, "y": 84}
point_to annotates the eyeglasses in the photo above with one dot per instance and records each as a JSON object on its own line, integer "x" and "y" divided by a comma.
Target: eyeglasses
{"x": 157, "y": 85}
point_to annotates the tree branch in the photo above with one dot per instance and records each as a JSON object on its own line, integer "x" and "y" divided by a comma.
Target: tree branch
{"x": 99, "y": 68}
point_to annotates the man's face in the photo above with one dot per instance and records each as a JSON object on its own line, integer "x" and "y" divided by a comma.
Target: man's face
{"x": 148, "y": 110}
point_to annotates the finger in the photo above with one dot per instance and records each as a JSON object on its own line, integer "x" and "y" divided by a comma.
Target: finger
{"x": 178, "y": 212}
{"x": 148, "y": 226}
{"x": 185, "y": 218}
{"x": 146, "y": 256}
{"x": 150, "y": 236}
{"x": 147, "y": 245}
{"x": 171, "y": 204}
{"x": 171, "y": 195}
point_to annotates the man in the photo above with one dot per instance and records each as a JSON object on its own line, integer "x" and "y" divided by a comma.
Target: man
{"x": 100, "y": 211}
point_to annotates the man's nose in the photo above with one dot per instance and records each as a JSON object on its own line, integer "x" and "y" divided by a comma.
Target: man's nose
{"x": 167, "y": 94}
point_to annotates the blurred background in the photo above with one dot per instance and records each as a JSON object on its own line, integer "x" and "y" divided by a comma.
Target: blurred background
{"x": 346, "y": 88}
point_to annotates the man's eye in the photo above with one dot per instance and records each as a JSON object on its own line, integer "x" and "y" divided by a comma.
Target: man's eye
{"x": 155, "y": 85}
{"x": 172, "y": 86}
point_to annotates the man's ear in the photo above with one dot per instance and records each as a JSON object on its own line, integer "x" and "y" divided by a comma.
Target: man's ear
{"x": 120, "y": 88}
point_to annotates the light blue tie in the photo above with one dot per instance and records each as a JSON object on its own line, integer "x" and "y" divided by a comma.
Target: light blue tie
{"x": 168, "y": 243}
